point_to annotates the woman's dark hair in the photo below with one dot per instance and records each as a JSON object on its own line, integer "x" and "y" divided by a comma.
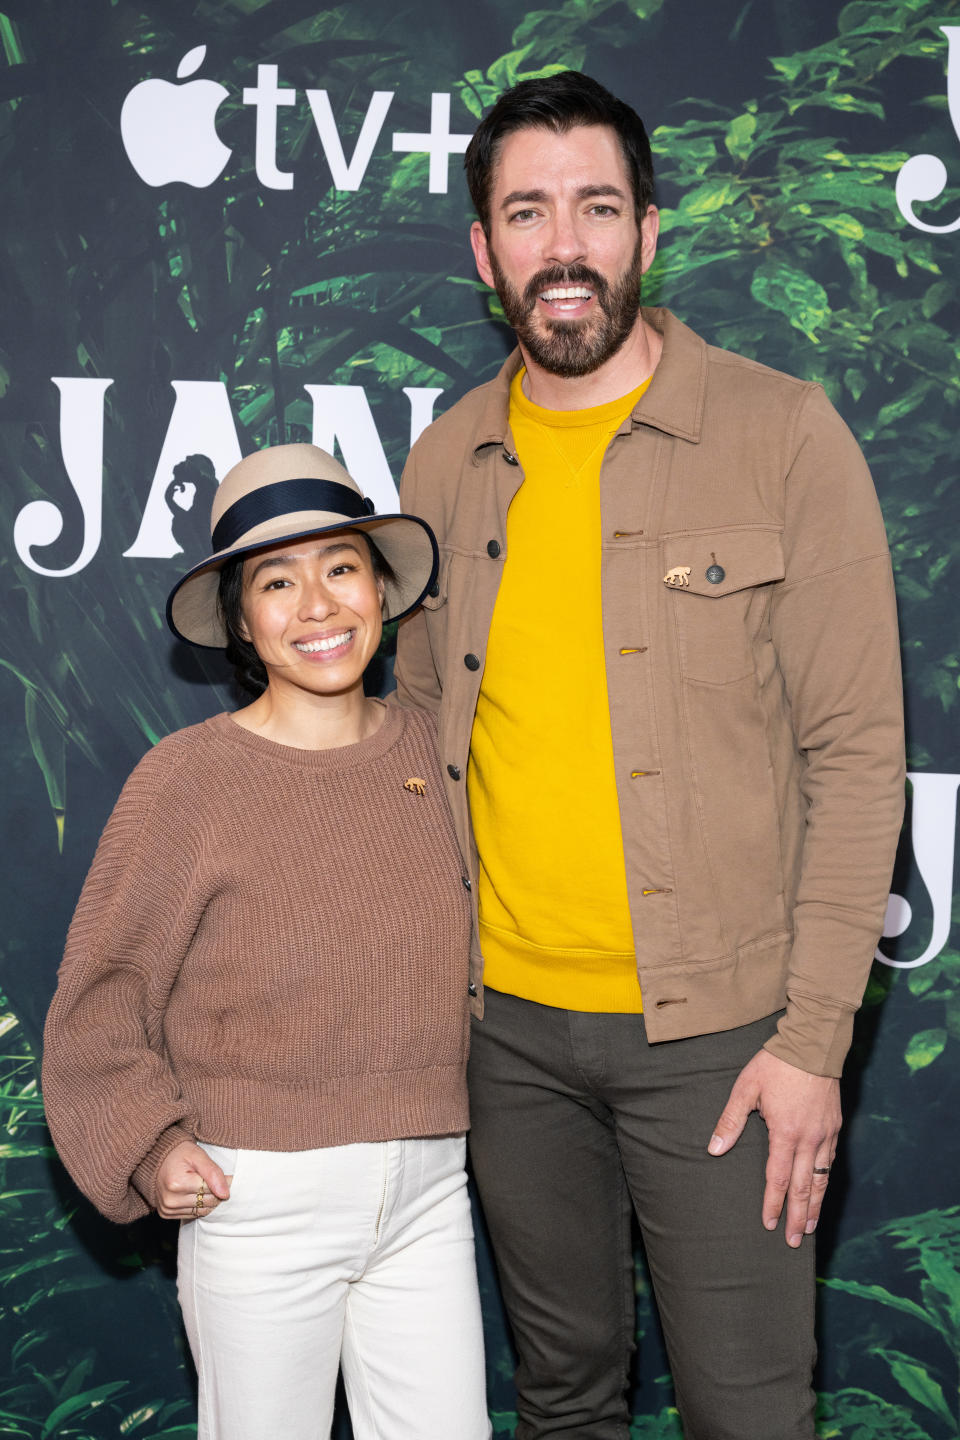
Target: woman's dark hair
{"x": 249, "y": 670}
{"x": 558, "y": 103}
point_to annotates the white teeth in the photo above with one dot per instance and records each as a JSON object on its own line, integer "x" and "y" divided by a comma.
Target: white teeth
{"x": 567, "y": 292}
{"x": 329, "y": 642}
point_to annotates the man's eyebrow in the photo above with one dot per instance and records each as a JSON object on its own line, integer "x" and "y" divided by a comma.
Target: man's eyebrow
{"x": 540, "y": 197}
{"x": 527, "y": 196}
{"x": 589, "y": 192}
{"x": 272, "y": 562}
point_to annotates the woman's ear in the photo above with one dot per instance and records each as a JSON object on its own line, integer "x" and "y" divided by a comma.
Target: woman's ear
{"x": 381, "y": 591}
{"x": 242, "y": 632}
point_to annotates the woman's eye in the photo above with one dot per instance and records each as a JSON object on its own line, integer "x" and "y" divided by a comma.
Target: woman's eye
{"x": 276, "y": 584}
{"x": 345, "y": 569}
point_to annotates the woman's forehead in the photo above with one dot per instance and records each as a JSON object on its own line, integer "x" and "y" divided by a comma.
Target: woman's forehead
{"x": 311, "y": 547}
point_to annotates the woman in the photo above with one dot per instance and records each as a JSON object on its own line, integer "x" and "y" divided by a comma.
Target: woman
{"x": 260, "y": 1027}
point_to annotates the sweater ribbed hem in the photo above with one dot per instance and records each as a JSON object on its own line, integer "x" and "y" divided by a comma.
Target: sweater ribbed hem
{"x": 595, "y": 981}
{"x": 339, "y": 1111}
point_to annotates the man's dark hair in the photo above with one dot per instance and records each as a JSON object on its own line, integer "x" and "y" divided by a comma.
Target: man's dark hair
{"x": 558, "y": 103}
{"x": 249, "y": 670}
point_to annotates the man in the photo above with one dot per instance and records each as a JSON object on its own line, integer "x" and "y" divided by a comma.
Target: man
{"x": 663, "y": 651}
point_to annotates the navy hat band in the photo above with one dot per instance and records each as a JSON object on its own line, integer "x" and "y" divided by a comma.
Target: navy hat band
{"x": 287, "y": 497}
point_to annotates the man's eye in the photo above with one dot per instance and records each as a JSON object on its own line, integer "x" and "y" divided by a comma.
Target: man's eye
{"x": 603, "y": 210}
{"x": 523, "y": 215}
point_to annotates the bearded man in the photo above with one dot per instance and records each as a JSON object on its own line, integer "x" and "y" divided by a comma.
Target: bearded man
{"x": 663, "y": 652}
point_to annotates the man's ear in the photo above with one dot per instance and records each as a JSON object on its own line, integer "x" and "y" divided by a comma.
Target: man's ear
{"x": 649, "y": 231}
{"x": 481, "y": 253}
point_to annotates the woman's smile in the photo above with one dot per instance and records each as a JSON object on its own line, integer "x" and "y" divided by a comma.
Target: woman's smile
{"x": 312, "y": 611}
{"x": 324, "y": 645}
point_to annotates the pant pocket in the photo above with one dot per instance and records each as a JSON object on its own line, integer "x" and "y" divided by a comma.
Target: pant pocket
{"x": 226, "y": 1156}
{"x": 230, "y": 1161}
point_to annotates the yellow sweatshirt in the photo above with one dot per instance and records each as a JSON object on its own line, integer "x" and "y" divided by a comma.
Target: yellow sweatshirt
{"x": 554, "y": 917}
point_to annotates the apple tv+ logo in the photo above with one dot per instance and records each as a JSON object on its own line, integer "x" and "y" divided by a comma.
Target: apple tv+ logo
{"x": 169, "y": 131}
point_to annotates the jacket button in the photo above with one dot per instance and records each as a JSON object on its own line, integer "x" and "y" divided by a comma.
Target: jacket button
{"x": 510, "y": 459}
{"x": 716, "y": 574}
{"x": 454, "y": 772}
{"x": 493, "y": 549}
{"x": 434, "y": 590}
{"x": 472, "y": 989}
{"x": 465, "y": 881}
{"x": 472, "y": 662}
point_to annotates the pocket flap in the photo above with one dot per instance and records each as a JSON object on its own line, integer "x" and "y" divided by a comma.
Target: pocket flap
{"x": 720, "y": 562}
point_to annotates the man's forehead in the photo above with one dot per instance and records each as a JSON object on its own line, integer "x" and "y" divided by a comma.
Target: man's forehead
{"x": 521, "y": 154}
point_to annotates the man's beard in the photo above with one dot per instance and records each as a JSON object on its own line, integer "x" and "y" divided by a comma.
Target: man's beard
{"x": 570, "y": 348}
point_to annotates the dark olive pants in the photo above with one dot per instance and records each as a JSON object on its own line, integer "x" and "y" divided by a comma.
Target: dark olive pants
{"x": 574, "y": 1117}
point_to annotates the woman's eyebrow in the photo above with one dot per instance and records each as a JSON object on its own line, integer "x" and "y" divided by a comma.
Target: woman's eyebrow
{"x": 273, "y": 561}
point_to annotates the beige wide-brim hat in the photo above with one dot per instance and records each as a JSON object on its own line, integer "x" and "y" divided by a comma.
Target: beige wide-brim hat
{"x": 288, "y": 492}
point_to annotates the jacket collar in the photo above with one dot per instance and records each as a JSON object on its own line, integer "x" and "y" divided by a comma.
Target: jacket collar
{"x": 675, "y": 398}
{"x": 493, "y": 421}
{"x": 673, "y": 402}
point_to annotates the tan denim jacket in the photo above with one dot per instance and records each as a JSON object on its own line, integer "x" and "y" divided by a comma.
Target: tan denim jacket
{"x": 753, "y": 674}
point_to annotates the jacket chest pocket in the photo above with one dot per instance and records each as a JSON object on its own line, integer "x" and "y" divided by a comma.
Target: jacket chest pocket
{"x": 716, "y": 583}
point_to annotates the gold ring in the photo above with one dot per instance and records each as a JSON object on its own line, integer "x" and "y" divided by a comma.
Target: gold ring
{"x": 201, "y": 1192}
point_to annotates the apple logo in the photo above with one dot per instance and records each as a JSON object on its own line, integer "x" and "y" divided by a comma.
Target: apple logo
{"x": 168, "y": 131}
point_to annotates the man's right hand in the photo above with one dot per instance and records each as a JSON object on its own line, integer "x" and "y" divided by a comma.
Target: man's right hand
{"x": 802, "y": 1115}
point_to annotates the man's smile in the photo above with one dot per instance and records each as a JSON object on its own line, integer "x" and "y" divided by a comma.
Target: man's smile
{"x": 566, "y": 297}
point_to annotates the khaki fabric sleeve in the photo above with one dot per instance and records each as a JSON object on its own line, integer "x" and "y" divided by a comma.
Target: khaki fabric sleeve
{"x": 834, "y": 628}
{"x": 418, "y": 683}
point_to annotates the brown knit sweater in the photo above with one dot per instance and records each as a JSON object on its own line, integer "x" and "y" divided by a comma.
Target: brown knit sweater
{"x": 270, "y": 952}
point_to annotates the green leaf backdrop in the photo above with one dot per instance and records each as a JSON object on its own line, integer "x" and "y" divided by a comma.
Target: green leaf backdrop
{"x": 779, "y": 131}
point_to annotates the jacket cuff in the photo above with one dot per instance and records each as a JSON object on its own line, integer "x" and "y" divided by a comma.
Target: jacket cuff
{"x": 144, "y": 1177}
{"x": 813, "y": 1036}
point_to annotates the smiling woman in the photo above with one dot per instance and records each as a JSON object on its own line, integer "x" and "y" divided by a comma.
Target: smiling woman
{"x": 344, "y": 572}
{"x": 331, "y": 587}
{"x": 260, "y": 1025}
{"x": 312, "y": 611}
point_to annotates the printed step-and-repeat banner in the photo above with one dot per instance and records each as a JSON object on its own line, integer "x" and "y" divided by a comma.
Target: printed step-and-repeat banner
{"x": 228, "y": 224}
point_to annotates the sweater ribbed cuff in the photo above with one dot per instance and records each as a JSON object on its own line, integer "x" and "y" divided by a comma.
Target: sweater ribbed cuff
{"x": 144, "y": 1178}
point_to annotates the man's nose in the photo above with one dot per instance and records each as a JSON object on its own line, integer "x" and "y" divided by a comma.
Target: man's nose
{"x": 565, "y": 243}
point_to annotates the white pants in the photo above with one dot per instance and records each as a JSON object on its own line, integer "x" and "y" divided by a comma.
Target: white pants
{"x": 358, "y": 1256}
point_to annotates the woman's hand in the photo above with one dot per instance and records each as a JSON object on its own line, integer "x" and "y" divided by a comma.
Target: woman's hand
{"x": 190, "y": 1184}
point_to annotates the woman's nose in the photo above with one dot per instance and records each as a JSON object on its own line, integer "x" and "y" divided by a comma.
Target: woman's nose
{"x": 317, "y": 600}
